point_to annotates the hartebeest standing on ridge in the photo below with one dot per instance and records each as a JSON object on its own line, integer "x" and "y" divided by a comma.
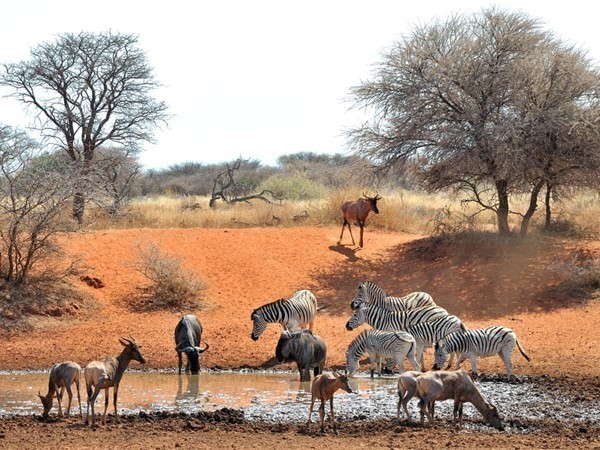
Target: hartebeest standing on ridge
{"x": 357, "y": 212}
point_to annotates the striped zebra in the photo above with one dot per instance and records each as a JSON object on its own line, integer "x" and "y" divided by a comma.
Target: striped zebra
{"x": 293, "y": 313}
{"x": 382, "y": 319}
{"x": 426, "y": 334}
{"x": 494, "y": 340}
{"x": 370, "y": 293}
{"x": 381, "y": 344}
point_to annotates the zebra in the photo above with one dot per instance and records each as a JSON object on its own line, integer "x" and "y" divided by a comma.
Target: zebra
{"x": 426, "y": 334}
{"x": 382, "y": 319}
{"x": 487, "y": 341}
{"x": 371, "y": 294}
{"x": 292, "y": 313}
{"x": 396, "y": 345}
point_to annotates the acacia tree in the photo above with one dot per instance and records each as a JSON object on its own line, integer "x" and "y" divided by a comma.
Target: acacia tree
{"x": 32, "y": 201}
{"x": 115, "y": 174}
{"x": 89, "y": 90}
{"x": 455, "y": 98}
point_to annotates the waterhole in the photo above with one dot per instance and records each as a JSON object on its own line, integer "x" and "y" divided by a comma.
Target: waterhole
{"x": 279, "y": 397}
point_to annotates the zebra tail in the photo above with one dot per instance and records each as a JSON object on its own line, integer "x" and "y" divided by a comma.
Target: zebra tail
{"x": 321, "y": 308}
{"x": 523, "y": 351}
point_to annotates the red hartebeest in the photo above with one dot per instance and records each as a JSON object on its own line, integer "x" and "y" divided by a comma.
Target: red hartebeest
{"x": 357, "y": 212}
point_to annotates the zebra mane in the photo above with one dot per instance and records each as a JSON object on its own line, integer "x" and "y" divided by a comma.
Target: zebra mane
{"x": 373, "y": 287}
{"x": 261, "y": 308}
{"x": 359, "y": 341}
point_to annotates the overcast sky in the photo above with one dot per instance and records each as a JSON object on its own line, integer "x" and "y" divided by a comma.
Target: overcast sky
{"x": 254, "y": 78}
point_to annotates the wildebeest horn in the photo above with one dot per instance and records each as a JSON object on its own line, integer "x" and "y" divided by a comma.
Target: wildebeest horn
{"x": 202, "y": 350}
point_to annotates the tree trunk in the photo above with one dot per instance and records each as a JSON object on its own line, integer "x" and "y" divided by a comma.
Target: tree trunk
{"x": 532, "y": 207}
{"x": 502, "y": 213}
{"x": 78, "y": 207}
{"x": 548, "y": 208}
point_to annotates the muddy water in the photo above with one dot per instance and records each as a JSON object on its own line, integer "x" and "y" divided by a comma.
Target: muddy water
{"x": 280, "y": 397}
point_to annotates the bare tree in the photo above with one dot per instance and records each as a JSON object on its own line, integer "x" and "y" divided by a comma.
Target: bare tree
{"x": 32, "y": 201}
{"x": 456, "y": 99}
{"x": 229, "y": 187}
{"x": 116, "y": 171}
{"x": 89, "y": 90}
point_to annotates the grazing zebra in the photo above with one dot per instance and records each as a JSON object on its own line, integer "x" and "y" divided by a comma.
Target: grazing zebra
{"x": 494, "y": 340}
{"x": 426, "y": 334}
{"x": 292, "y": 313}
{"x": 387, "y": 344}
{"x": 382, "y": 319}
{"x": 371, "y": 294}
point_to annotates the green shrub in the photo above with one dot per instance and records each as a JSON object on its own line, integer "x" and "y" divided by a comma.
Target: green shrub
{"x": 295, "y": 187}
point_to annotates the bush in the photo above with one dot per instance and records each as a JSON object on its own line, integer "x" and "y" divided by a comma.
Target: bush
{"x": 172, "y": 286}
{"x": 295, "y": 187}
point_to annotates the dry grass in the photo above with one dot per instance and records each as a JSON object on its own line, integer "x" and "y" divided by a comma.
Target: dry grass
{"x": 402, "y": 210}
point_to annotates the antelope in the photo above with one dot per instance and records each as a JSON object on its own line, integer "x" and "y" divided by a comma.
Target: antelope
{"x": 356, "y": 212}
{"x": 108, "y": 373}
{"x": 456, "y": 385}
{"x": 323, "y": 388}
{"x": 62, "y": 376}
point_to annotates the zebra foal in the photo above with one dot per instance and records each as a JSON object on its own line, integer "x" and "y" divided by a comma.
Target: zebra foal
{"x": 369, "y": 293}
{"x": 387, "y": 344}
{"x": 489, "y": 341}
{"x": 426, "y": 334}
{"x": 298, "y": 311}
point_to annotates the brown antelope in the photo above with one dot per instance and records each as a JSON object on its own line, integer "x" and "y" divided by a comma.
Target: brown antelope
{"x": 356, "y": 212}
{"x": 62, "y": 376}
{"x": 108, "y": 373}
{"x": 323, "y": 388}
{"x": 457, "y": 386}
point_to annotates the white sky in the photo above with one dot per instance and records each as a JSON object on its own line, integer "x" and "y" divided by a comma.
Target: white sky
{"x": 257, "y": 78}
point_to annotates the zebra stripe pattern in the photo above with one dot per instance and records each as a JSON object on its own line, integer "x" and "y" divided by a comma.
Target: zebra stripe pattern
{"x": 494, "y": 340}
{"x": 381, "y": 344}
{"x": 426, "y": 334}
{"x": 298, "y": 311}
{"x": 382, "y": 319}
{"x": 370, "y": 293}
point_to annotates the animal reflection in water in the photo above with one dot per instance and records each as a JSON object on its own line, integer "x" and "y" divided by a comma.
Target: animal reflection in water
{"x": 192, "y": 389}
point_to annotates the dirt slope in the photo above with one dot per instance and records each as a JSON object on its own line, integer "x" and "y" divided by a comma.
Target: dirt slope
{"x": 484, "y": 283}
{"x": 489, "y": 282}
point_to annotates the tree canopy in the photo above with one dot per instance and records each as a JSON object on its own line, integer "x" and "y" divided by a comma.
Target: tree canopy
{"x": 488, "y": 103}
{"x": 89, "y": 90}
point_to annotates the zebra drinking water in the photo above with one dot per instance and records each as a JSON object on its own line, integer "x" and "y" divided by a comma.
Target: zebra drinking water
{"x": 382, "y": 319}
{"x": 370, "y": 293}
{"x": 298, "y": 311}
{"x": 426, "y": 334}
{"x": 387, "y": 344}
{"x": 493, "y": 340}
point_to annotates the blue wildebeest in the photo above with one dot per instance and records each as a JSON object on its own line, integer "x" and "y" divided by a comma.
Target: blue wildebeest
{"x": 356, "y": 211}
{"x": 303, "y": 347}
{"x": 188, "y": 334}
